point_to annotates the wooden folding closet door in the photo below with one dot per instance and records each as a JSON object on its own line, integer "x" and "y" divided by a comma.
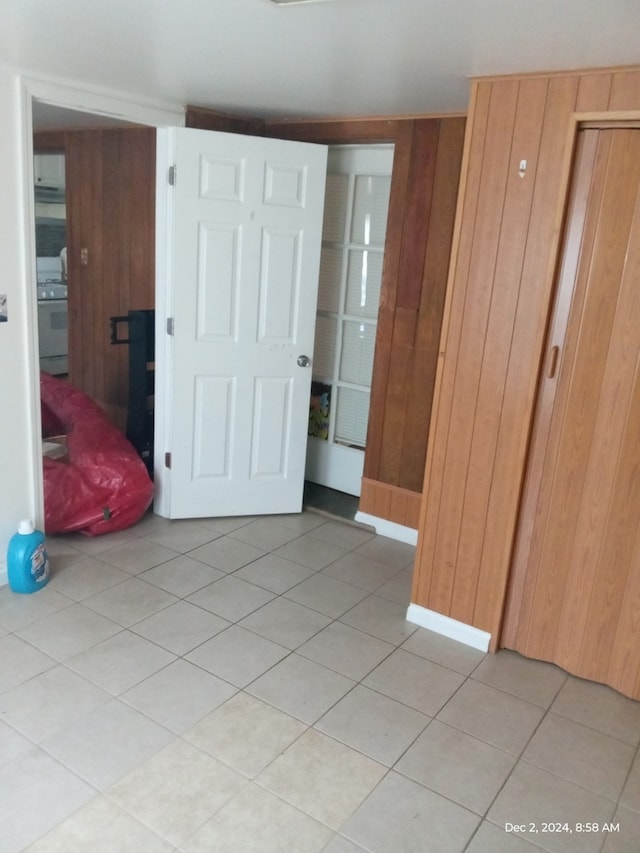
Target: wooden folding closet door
{"x": 574, "y": 597}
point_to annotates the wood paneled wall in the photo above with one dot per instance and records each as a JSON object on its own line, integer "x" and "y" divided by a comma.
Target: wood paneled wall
{"x": 402, "y": 506}
{"x": 424, "y": 189}
{"x": 500, "y": 285}
{"x": 422, "y": 206}
{"x": 110, "y": 178}
{"x": 202, "y": 118}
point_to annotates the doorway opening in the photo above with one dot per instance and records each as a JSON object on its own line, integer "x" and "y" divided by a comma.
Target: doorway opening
{"x": 353, "y": 239}
{"x": 96, "y": 257}
{"x": 50, "y": 108}
{"x": 54, "y": 131}
{"x": 109, "y": 111}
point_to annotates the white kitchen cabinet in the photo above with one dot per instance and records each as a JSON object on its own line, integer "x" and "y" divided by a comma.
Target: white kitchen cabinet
{"x": 49, "y": 170}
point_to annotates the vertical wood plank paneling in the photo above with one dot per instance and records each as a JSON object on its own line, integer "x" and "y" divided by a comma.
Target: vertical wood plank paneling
{"x": 124, "y": 284}
{"x": 417, "y": 212}
{"x": 593, "y": 92}
{"x": 450, "y": 337}
{"x": 398, "y": 506}
{"x": 206, "y": 119}
{"x": 413, "y": 511}
{"x": 382, "y": 503}
{"x": 116, "y": 174}
{"x": 92, "y": 272}
{"x": 427, "y": 339}
{"x": 396, "y": 398}
{"x": 403, "y": 371}
{"x": 142, "y": 246}
{"x": 455, "y": 516}
{"x": 368, "y": 492}
{"x": 494, "y": 360}
{"x": 111, "y": 179}
{"x": 388, "y": 294}
{"x": 527, "y": 333}
{"x": 464, "y": 373}
{"x": 342, "y": 131}
{"x": 401, "y": 506}
{"x": 625, "y": 90}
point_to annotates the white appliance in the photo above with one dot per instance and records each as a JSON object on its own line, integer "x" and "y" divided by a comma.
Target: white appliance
{"x": 53, "y": 325}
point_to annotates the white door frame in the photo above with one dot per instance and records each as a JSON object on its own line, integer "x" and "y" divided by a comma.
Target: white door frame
{"x": 105, "y": 103}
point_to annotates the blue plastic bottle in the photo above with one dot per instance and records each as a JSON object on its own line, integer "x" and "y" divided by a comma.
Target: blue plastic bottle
{"x": 27, "y": 560}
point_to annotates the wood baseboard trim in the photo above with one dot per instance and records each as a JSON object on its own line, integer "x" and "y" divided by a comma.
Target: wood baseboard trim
{"x": 392, "y": 503}
{"x": 448, "y": 627}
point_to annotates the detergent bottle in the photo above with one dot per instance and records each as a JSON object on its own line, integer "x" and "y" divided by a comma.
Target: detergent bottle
{"x": 27, "y": 560}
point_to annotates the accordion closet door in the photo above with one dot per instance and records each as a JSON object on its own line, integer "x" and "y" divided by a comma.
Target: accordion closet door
{"x": 575, "y": 590}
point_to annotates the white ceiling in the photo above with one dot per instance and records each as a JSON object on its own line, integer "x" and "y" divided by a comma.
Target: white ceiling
{"x": 339, "y": 57}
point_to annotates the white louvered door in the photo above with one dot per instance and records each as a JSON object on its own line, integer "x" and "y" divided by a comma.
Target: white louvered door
{"x": 244, "y": 237}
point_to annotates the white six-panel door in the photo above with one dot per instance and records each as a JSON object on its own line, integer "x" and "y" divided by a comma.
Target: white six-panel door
{"x": 243, "y": 245}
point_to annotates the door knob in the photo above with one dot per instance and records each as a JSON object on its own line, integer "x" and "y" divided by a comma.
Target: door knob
{"x": 304, "y": 361}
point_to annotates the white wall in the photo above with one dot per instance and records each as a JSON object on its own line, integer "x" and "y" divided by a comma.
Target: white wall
{"x": 19, "y": 417}
{"x": 20, "y": 451}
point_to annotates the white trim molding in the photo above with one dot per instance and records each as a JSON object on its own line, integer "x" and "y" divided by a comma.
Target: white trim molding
{"x": 123, "y": 106}
{"x": 449, "y": 627}
{"x": 390, "y": 529}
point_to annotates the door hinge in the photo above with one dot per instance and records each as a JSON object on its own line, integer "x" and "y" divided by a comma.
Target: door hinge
{"x": 172, "y": 176}
{"x": 170, "y": 325}
{"x": 167, "y": 459}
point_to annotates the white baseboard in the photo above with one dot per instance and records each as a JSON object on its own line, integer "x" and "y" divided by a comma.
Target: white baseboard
{"x": 449, "y": 627}
{"x": 4, "y": 577}
{"x": 389, "y": 528}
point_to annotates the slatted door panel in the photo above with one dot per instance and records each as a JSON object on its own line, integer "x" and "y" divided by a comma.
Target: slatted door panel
{"x": 575, "y": 596}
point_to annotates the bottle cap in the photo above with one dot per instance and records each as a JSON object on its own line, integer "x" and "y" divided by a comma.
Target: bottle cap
{"x": 26, "y": 527}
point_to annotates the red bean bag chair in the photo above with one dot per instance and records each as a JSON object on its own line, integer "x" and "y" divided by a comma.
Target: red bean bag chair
{"x": 101, "y": 485}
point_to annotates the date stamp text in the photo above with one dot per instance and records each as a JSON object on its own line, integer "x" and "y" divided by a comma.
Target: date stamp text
{"x": 553, "y": 826}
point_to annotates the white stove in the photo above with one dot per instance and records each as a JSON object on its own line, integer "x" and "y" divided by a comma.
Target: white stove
{"x": 52, "y": 316}
{"x": 52, "y": 289}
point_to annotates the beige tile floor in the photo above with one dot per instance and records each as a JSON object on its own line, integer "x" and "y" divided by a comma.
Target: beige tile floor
{"x": 252, "y": 685}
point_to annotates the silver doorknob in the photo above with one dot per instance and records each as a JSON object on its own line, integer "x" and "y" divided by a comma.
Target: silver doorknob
{"x": 304, "y": 361}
